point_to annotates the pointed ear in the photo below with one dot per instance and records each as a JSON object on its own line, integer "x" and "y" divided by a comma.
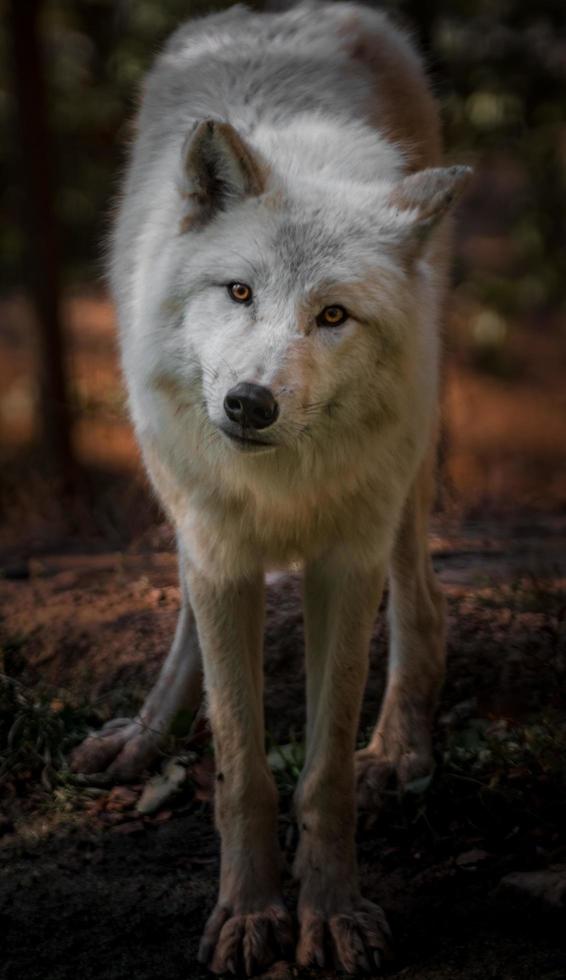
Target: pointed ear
{"x": 428, "y": 194}
{"x": 219, "y": 169}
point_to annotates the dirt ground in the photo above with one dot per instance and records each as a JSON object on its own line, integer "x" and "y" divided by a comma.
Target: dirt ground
{"x": 90, "y": 888}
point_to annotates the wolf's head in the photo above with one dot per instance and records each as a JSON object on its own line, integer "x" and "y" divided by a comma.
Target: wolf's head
{"x": 300, "y": 294}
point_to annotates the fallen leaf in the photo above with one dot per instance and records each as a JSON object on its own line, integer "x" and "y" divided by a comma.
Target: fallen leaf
{"x": 162, "y": 788}
{"x": 121, "y": 798}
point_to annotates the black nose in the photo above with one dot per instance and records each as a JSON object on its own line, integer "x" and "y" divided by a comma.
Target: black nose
{"x": 251, "y": 406}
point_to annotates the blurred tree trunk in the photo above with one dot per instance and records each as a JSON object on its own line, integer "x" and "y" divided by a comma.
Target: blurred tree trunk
{"x": 42, "y": 245}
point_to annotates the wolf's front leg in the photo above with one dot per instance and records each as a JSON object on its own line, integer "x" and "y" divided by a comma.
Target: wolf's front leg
{"x": 250, "y": 927}
{"x": 340, "y": 607}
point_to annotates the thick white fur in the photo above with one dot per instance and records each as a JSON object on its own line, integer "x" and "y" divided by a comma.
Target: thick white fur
{"x": 289, "y": 152}
{"x": 344, "y": 478}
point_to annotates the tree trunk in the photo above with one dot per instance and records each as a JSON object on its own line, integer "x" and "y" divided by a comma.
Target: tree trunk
{"x": 42, "y": 260}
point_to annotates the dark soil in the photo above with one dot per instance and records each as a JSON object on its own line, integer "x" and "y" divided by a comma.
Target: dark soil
{"x": 90, "y": 889}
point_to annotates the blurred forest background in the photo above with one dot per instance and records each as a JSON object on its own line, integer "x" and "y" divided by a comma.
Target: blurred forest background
{"x": 70, "y": 72}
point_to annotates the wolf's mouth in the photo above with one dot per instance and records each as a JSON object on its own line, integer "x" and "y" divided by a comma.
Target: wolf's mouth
{"x": 247, "y": 443}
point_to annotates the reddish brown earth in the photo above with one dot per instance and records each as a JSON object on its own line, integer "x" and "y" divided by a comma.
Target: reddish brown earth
{"x": 89, "y": 888}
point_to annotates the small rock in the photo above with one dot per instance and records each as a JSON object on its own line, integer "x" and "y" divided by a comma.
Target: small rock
{"x": 470, "y": 858}
{"x": 548, "y": 886}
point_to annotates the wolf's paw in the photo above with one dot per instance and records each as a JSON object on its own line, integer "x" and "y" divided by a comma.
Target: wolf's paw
{"x": 377, "y": 773}
{"x": 246, "y": 944}
{"x": 123, "y": 748}
{"x": 356, "y": 939}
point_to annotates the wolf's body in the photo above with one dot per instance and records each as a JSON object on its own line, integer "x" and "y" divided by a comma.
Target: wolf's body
{"x": 298, "y": 185}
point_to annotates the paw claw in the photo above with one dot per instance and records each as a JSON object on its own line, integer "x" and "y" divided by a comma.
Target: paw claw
{"x": 355, "y": 938}
{"x": 310, "y": 951}
{"x": 247, "y": 943}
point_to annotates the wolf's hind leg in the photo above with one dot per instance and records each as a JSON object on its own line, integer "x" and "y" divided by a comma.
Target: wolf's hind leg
{"x": 125, "y": 747}
{"x": 400, "y": 748}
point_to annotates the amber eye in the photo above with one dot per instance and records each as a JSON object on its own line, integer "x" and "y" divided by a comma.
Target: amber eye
{"x": 239, "y": 292}
{"x": 332, "y": 316}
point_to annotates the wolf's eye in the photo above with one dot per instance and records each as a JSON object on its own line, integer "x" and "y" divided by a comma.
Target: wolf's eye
{"x": 239, "y": 292}
{"x": 332, "y": 316}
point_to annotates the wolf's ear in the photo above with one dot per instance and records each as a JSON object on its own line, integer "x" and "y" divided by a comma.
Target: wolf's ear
{"x": 427, "y": 196}
{"x": 219, "y": 169}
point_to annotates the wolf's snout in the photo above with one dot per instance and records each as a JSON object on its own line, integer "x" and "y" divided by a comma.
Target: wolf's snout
{"x": 251, "y": 406}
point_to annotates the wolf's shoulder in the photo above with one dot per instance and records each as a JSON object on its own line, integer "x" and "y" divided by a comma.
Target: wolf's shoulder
{"x": 299, "y": 23}
{"x": 253, "y": 67}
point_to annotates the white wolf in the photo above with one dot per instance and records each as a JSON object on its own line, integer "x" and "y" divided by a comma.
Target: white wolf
{"x": 278, "y": 266}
